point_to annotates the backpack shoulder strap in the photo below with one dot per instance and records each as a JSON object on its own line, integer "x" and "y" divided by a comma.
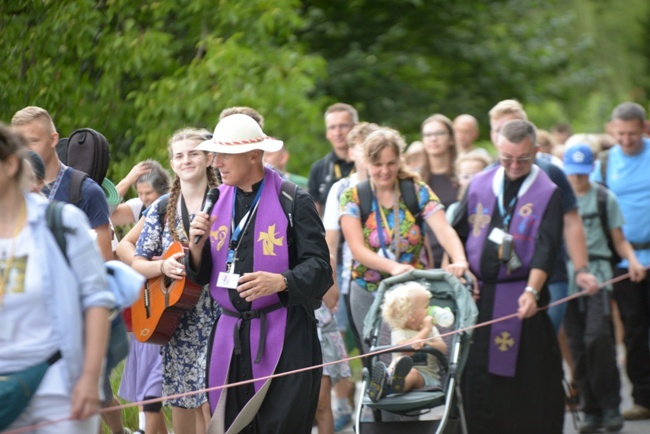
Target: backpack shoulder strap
{"x": 76, "y": 182}
{"x": 601, "y": 199}
{"x": 603, "y": 157}
{"x": 365, "y": 200}
{"x": 161, "y": 208}
{"x": 407, "y": 190}
{"x": 288, "y": 192}
{"x": 54, "y": 219}
{"x": 287, "y": 199}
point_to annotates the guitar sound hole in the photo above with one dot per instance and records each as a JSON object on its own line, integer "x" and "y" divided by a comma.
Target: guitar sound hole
{"x": 168, "y": 281}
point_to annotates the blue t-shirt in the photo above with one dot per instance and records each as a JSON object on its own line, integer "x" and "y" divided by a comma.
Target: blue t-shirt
{"x": 627, "y": 176}
{"x": 93, "y": 200}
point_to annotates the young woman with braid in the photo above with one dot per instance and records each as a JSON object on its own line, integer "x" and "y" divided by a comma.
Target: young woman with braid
{"x": 184, "y": 355}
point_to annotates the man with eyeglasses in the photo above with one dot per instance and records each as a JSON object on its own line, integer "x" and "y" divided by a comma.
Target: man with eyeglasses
{"x": 339, "y": 120}
{"x": 510, "y": 220}
{"x": 624, "y": 169}
{"x": 574, "y": 237}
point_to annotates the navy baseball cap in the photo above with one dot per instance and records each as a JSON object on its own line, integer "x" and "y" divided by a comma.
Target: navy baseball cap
{"x": 578, "y": 160}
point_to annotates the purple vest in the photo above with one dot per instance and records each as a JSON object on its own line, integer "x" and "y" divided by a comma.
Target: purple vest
{"x": 270, "y": 254}
{"x": 533, "y": 198}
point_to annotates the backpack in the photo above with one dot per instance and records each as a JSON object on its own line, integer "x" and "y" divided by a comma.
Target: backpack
{"x": 87, "y": 152}
{"x": 287, "y": 200}
{"x": 407, "y": 190}
{"x": 124, "y": 283}
{"x": 602, "y": 194}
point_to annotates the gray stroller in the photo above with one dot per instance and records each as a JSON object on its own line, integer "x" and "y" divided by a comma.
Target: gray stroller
{"x": 401, "y": 412}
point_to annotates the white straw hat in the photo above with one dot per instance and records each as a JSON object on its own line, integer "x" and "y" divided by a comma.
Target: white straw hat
{"x": 239, "y": 133}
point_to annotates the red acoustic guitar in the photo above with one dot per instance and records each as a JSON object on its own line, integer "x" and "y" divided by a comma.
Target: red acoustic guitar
{"x": 162, "y": 303}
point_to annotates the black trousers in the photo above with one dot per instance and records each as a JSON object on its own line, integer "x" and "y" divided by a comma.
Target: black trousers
{"x": 588, "y": 325}
{"x": 634, "y": 304}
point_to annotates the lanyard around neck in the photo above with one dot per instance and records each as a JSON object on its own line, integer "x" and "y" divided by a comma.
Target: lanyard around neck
{"x": 236, "y": 232}
{"x": 506, "y": 214}
{"x": 380, "y": 217}
{"x": 338, "y": 174}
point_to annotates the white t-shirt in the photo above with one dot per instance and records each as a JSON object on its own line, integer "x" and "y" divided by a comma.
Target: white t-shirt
{"x": 136, "y": 206}
{"x": 423, "y": 362}
{"x": 27, "y": 334}
{"x": 331, "y": 221}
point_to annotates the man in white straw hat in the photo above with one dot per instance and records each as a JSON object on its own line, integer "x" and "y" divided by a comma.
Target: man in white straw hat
{"x": 264, "y": 269}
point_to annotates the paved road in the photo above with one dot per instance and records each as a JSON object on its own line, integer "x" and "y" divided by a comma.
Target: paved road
{"x": 636, "y": 427}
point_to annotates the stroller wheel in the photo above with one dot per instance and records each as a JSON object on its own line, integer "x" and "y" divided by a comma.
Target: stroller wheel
{"x": 400, "y": 371}
{"x": 378, "y": 387}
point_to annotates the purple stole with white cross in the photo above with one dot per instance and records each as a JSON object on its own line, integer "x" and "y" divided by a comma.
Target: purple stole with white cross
{"x": 533, "y": 198}
{"x": 270, "y": 254}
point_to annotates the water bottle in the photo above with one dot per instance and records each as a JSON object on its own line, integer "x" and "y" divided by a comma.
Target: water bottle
{"x": 442, "y": 316}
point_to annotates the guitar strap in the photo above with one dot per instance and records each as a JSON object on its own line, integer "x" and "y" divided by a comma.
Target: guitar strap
{"x": 185, "y": 215}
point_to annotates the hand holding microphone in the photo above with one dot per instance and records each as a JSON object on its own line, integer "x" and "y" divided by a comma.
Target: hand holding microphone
{"x": 210, "y": 200}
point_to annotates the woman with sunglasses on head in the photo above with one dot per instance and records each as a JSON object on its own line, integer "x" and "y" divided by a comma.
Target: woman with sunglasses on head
{"x": 184, "y": 356}
{"x": 390, "y": 241}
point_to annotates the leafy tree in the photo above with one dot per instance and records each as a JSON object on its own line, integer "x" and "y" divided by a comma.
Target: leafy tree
{"x": 137, "y": 71}
{"x": 399, "y": 62}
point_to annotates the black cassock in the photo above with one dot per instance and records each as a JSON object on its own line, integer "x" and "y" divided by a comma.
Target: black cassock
{"x": 290, "y": 403}
{"x": 533, "y": 400}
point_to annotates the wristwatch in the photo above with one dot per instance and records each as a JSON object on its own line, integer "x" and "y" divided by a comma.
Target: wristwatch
{"x": 286, "y": 283}
{"x": 532, "y": 291}
{"x": 584, "y": 269}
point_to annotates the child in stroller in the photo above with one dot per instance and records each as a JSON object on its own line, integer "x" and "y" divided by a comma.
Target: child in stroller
{"x": 406, "y": 309}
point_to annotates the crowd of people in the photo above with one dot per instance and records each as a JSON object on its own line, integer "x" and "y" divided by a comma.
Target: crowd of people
{"x": 286, "y": 268}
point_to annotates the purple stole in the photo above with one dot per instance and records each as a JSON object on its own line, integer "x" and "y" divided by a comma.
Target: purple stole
{"x": 533, "y": 198}
{"x": 270, "y": 254}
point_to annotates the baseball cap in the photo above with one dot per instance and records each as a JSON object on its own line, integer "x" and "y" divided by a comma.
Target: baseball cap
{"x": 578, "y": 160}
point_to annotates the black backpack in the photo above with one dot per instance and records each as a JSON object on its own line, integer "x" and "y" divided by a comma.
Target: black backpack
{"x": 287, "y": 201}
{"x": 407, "y": 190}
{"x": 87, "y": 152}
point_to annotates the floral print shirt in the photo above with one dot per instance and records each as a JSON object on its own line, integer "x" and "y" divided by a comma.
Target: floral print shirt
{"x": 409, "y": 246}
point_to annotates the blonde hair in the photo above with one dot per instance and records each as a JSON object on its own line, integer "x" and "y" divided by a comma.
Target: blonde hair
{"x": 387, "y": 138}
{"x": 359, "y": 132}
{"x": 473, "y": 156}
{"x": 508, "y": 107}
{"x": 31, "y": 114}
{"x": 398, "y": 303}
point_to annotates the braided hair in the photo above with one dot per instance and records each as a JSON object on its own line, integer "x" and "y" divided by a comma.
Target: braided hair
{"x": 193, "y": 135}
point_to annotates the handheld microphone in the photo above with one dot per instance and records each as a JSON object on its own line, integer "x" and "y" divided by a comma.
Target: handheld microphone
{"x": 210, "y": 200}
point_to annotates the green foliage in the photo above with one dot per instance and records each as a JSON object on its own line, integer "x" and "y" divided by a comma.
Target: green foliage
{"x": 137, "y": 71}
{"x": 399, "y": 62}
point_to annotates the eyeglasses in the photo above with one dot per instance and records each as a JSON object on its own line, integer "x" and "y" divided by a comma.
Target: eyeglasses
{"x": 339, "y": 127}
{"x": 520, "y": 160}
{"x": 436, "y": 134}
